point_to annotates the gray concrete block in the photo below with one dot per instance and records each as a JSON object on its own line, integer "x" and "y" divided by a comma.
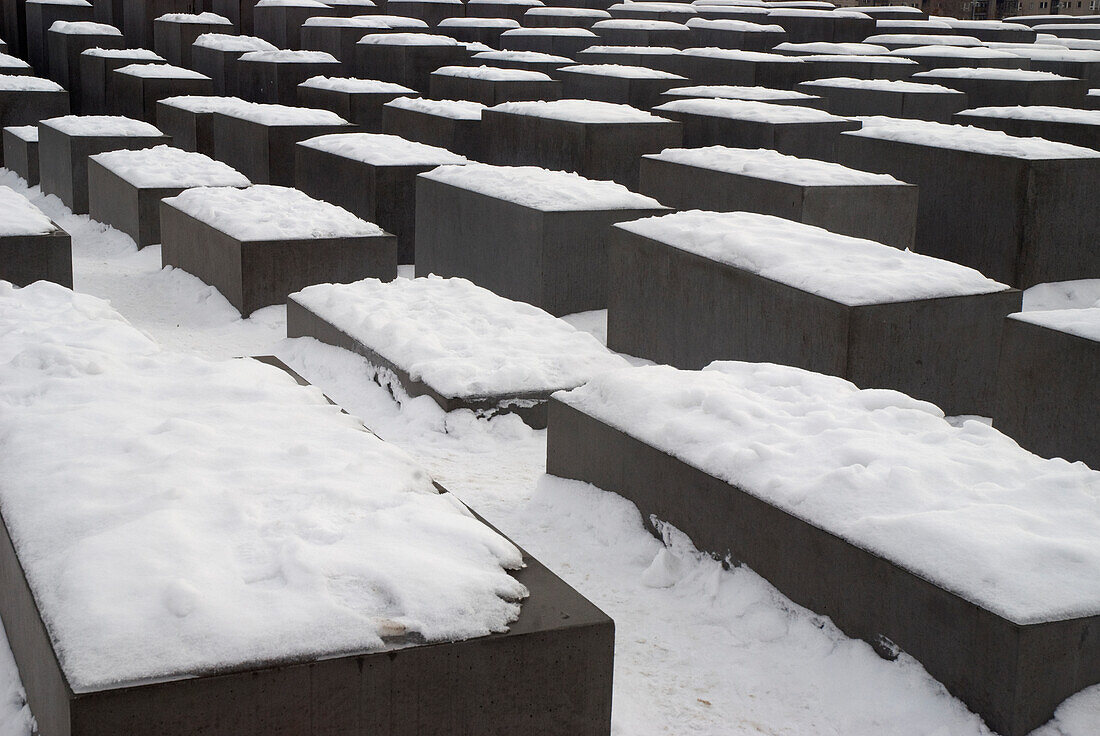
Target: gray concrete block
{"x": 613, "y": 83}
{"x": 895, "y": 101}
{"x": 555, "y": 41}
{"x": 363, "y": 107}
{"x": 746, "y": 68}
{"x": 64, "y": 50}
{"x": 338, "y": 36}
{"x": 40, "y": 16}
{"x": 276, "y": 81}
{"x": 492, "y": 91}
{"x": 462, "y": 135}
{"x": 27, "y": 107}
{"x": 663, "y": 58}
{"x": 992, "y": 92}
{"x": 707, "y": 35}
{"x": 21, "y": 152}
{"x": 476, "y": 29}
{"x": 1069, "y": 130}
{"x": 282, "y": 24}
{"x": 534, "y": 62}
{"x": 172, "y": 39}
{"x": 511, "y": 9}
{"x": 138, "y": 17}
{"x": 409, "y": 65}
{"x": 749, "y": 94}
{"x": 96, "y": 79}
{"x": 429, "y": 11}
{"x": 136, "y": 96}
{"x": 264, "y": 152}
{"x": 239, "y": 13}
{"x": 1047, "y": 391}
{"x": 25, "y": 259}
{"x": 826, "y": 66}
{"x": 806, "y": 26}
{"x": 638, "y": 33}
{"x": 561, "y": 17}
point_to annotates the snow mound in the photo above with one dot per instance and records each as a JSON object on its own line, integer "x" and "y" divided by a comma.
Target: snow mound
{"x": 89, "y": 125}
{"x": 767, "y": 164}
{"x": 492, "y": 74}
{"x": 169, "y": 167}
{"x": 345, "y": 84}
{"x": 19, "y": 217}
{"x": 967, "y": 138}
{"x": 380, "y": 149}
{"x": 580, "y": 111}
{"x": 457, "y": 109}
{"x": 227, "y": 42}
{"x": 1080, "y": 322}
{"x": 760, "y": 112}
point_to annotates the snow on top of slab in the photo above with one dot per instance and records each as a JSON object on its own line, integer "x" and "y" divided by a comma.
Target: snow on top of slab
{"x": 655, "y": 7}
{"x": 580, "y": 111}
{"x": 455, "y": 109}
{"x": 28, "y": 133}
{"x": 1050, "y": 53}
{"x": 646, "y": 50}
{"x": 1093, "y": 93}
{"x": 735, "y": 92}
{"x": 825, "y": 47}
{"x": 991, "y": 25}
{"x": 408, "y": 39}
{"x": 1092, "y": 44}
{"x": 399, "y": 21}
{"x": 84, "y": 28}
{"x": 19, "y": 83}
{"x": 383, "y": 150}
{"x": 767, "y": 164}
{"x": 462, "y": 340}
{"x": 1044, "y": 113}
{"x": 207, "y": 18}
{"x": 636, "y": 24}
{"x": 160, "y": 71}
{"x": 1007, "y": 75}
{"x": 760, "y": 112}
{"x": 541, "y": 189}
{"x": 841, "y": 268}
{"x": 1080, "y": 322}
{"x": 572, "y": 12}
{"x": 963, "y": 507}
{"x": 1067, "y": 27}
{"x": 967, "y": 138}
{"x": 290, "y": 3}
{"x": 521, "y": 56}
{"x": 476, "y": 47}
{"x": 858, "y": 59}
{"x": 228, "y": 42}
{"x": 872, "y": 9}
{"x": 268, "y": 114}
{"x": 359, "y": 21}
{"x": 102, "y": 125}
{"x": 531, "y": 3}
{"x": 620, "y": 70}
{"x": 228, "y": 519}
{"x": 493, "y": 74}
{"x": 82, "y": 3}
{"x": 134, "y": 54}
{"x": 206, "y": 103}
{"x": 348, "y": 84}
{"x": 169, "y": 167}
{"x": 264, "y": 212}
{"x": 577, "y": 32}
{"x": 478, "y": 23}
{"x": 727, "y": 24}
{"x": 283, "y": 56}
{"x": 922, "y": 39}
{"x": 953, "y": 52}
{"x": 887, "y": 23}
{"x": 19, "y": 217}
{"x": 7, "y": 60}
{"x": 815, "y": 13}
{"x": 883, "y": 85}
{"x": 742, "y": 55}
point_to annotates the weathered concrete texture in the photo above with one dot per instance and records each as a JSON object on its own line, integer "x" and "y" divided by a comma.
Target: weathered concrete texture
{"x": 282, "y": 24}
{"x": 364, "y": 109}
{"x": 770, "y": 70}
{"x": 64, "y": 52}
{"x": 138, "y": 17}
{"x": 429, "y": 11}
{"x": 726, "y": 38}
{"x": 335, "y": 36}
{"x": 1012, "y": 675}
{"x": 806, "y": 139}
{"x": 852, "y": 101}
{"x": 1078, "y": 134}
{"x": 96, "y": 78}
{"x": 239, "y": 13}
{"x": 27, "y": 107}
{"x": 1018, "y": 221}
{"x": 826, "y": 26}
{"x": 642, "y": 93}
{"x": 25, "y": 259}
{"x": 63, "y": 160}
{"x": 136, "y": 97}
{"x": 173, "y": 39}
{"x": 253, "y": 274}
{"x": 263, "y": 153}
{"x": 408, "y": 65}
{"x": 676, "y": 307}
{"x": 382, "y": 194}
{"x": 277, "y": 81}
{"x": 593, "y": 150}
{"x": 994, "y": 92}
{"x": 530, "y": 407}
{"x": 826, "y": 66}
{"x": 1048, "y": 391}
{"x": 550, "y": 674}
{"x": 493, "y": 91}
{"x": 557, "y": 44}
{"x": 677, "y": 38}
{"x": 556, "y": 260}
{"x": 459, "y": 135}
{"x": 40, "y": 16}
{"x": 885, "y": 213}
{"x": 21, "y": 155}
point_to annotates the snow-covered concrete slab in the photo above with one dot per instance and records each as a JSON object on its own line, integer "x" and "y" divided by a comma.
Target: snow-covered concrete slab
{"x": 20, "y": 144}
{"x": 634, "y": 32}
{"x": 407, "y": 59}
{"x": 526, "y": 233}
{"x": 226, "y": 595}
{"x": 138, "y": 17}
{"x": 735, "y": 34}
{"x": 66, "y": 41}
{"x": 359, "y": 101}
{"x": 861, "y": 66}
{"x": 337, "y": 36}
{"x": 530, "y": 60}
{"x": 746, "y": 68}
{"x": 14, "y": 65}
{"x": 41, "y": 15}
{"x": 136, "y": 89}
{"x": 491, "y": 85}
{"x": 32, "y": 247}
{"x": 836, "y": 26}
{"x": 451, "y": 124}
{"x": 480, "y": 30}
{"x": 891, "y": 98}
{"x": 637, "y": 86}
{"x": 280, "y": 22}
{"x": 948, "y": 543}
{"x": 26, "y": 100}
{"x": 458, "y": 343}
{"x": 986, "y": 87}
{"x": 216, "y": 55}
{"x": 942, "y": 56}
{"x": 1068, "y": 125}
{"x": 740, "y": 92}
{"x": 96, "y": 66}
{"x": 554, "y": 41}
{"x": 663, "y": 58}
{"x": 857, "y": 203}
{"x": 1011, "y": 207}
{"x": 562, "y": 17}
{"x": 274, "y": 76}
{"x": 174, "y": 33}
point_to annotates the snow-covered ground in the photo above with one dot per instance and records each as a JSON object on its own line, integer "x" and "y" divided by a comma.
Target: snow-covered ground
{"x": 700, "y": 650}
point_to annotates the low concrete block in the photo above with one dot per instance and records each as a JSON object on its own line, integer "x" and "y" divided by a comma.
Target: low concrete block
{"x": 429, "y": 11}
{"x": 598, "y": 140}
{"x": 790, "y": 129}
{"x": 554, "y": 41}
{"x": 256, "y": 272}
{"x": 895, "y": 99}
{"x": 96, "y": 80}
{"x": 65, "y": 144}
{"x": 41, "y": 14}
{"x": 359, "y": 101}
{"x": 994, "y": 31}
{"x": 10, "y": 65}
{"x": 125, "y": 187}
{"x": 732, "y": 34}
{"x": 533, "y": 61}
{"x": 827, "y": 195}
{"x": 826, "y": 66}
{"x": 274, "y": 76}
{"x": 173, "y": 35}
{"x": 371, "y": 176}
{"x": 627, "y": 85}
{"x": 1067, "y": 125}
{"x": 21, "y": 152}
{"x": 1012, "y": 212}
{"x": 337, "y": 36}
{"x": 835, "y": 26}
{"x": 747, "y": 68}
{"x": 492, "y": 85}
{"x": 544, "y": 250}
{"x": 662, "y": 58}
{"x": 239, "y": 13}
{"x": 281, "y": 24}
{"x": 560, "y": 17}
{"x": 136, "y": 89}
{"x": 750, "y": 94}
{"x": 407, "y": 59}
{"x": 216, "y": 56}
{"x": 26, "y": 100}
{"x": 477, "y": 30}
{"x": 353, "y": 8}
{"x": 32, "y": 251}
{"x": 138, "y": 17}
{"x": 671, "y": 12}
{"x": 996, "y": 87}
{"x": 950, "y": 57}
{"x": 190, "y": 120}
{"x": 511, "y": 9}
{"x": 1047, "y": 383}
{"x": 258, "y": 140}
{"x": 624, "y": 32}
{"x": 67, "y": 43}
{"x": 452, "y": 124}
